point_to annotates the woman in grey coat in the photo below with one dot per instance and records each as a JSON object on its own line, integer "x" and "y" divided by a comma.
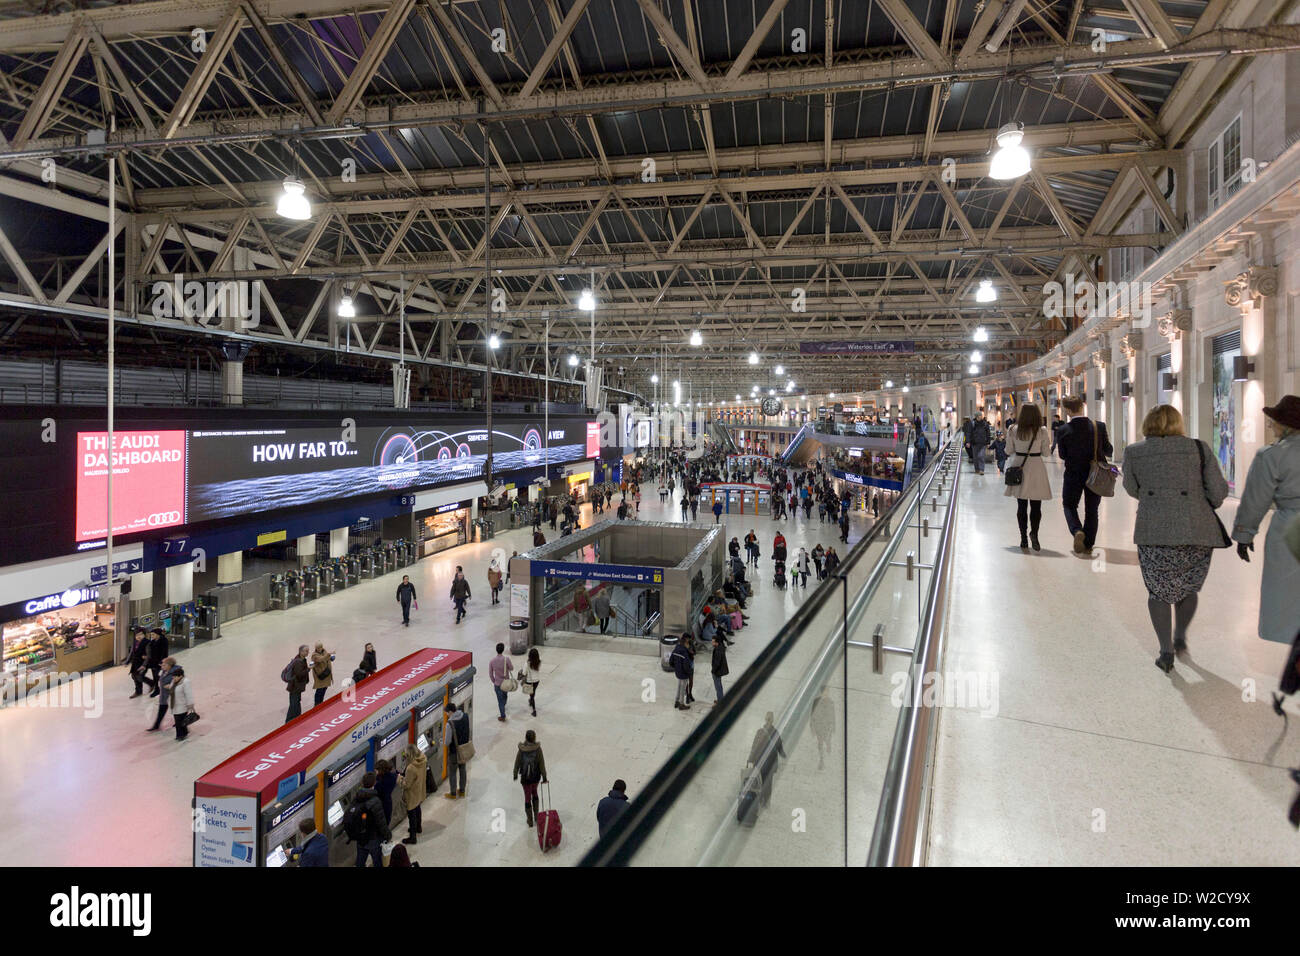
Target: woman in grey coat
{"x": 1178, "y": 485}
{"x": 1274, "y": 482}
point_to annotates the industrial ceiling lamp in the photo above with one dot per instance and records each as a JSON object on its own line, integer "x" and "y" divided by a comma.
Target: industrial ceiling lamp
{"x": 346, "y": 309}
{"x": 654, "y": 379}
{"x": 973, "y": 368}
{"x": 293, "y": 202}
{"x": 780, "y": 370}
{"x": 981, "y": 334}
{"x": 889, "y": 383}
{"x": 753, "y": 358}
{"x": 976, "y": 356}
{"x": 696, "y": 339}
{"x": 573, "y": 361}
{"x": 494, "y": 341}
{"x": 986, "y": 292}
{"x": 1011, "y": 161}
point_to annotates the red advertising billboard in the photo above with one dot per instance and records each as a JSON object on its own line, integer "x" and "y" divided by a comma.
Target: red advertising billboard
{"x": 593, "y": 439}
{"x": 148, "y": 482}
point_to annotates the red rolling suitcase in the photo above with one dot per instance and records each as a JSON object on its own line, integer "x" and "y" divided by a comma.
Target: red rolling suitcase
{"x": 549, "y": 830}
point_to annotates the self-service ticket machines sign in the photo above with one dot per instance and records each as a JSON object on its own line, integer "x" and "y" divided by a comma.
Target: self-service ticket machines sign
{"x": 230, "y": 826}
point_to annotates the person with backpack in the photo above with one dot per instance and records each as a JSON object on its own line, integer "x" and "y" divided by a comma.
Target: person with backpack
{"x": 611, "y": 807}
{"x": 322, "y": 671}
{"x": 460, "y": 594}
{"x": 365, "y": 824}
{"x": 414, "y": 790}
{"x": 406, "y": 597}
{"x": 683, "y": 667}
{"x": 530, "y": 770}
{"x": 719, "y": 667}
{"x": 460, "y": 749}
{"x": 295, "y": 675}
{"x": 980, "y": 436}
{"x": 499, "y": 669}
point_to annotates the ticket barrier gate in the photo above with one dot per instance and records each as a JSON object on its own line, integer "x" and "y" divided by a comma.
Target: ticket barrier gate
{"x": 278, "y": 835}
{"x": 293, "y": 587}
{"x": 310, "y": 583}
{"x": 326, "y": 574}
{"x": 207, "y": 617}
{"x": 389, "y": 554}
{"x": 367, "y": 558}
{"x": 352, "y": 564}
{"x": 181, "y": 630}
{"x": 338, "y": 574}
{"x": 342, "y": 781}
{"x": 279, "y": 592}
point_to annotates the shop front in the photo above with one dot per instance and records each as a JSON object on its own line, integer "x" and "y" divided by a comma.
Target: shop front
{"x": 445, "y": 526}
{"x": 56, "y": 633}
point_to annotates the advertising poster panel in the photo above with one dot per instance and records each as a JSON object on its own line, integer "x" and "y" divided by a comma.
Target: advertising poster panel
{"x": 148, "y": 482}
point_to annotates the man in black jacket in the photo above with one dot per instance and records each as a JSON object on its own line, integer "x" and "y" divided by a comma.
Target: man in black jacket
{"x": 1078, "y": 440}
{"x": 297, "y": 682}
{"x": 980, "y": 437}
{"x": 377, "y": 830}
{"x": 405, "y": 595}
{"x": 157, "y": 653}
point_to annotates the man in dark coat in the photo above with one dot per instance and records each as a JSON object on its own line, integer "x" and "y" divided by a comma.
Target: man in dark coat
{"x": 1078, "y": 440}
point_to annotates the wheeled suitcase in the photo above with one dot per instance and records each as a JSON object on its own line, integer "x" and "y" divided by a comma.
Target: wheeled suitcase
{"x": 549, "y": 830}
{"x": 737, "y": 622}
{"x": 747, "y": 804}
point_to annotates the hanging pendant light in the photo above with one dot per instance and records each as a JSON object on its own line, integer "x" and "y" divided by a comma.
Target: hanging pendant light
{"x": 697, "y": 339}
{"x": 1011, "y": 161}
{"x": 587, "y": 301}
{"x": 981, "y": 335}
{"x": 986, "y": 292}
{"x": 293, "y": 203}
{"x": 347, "y": 310}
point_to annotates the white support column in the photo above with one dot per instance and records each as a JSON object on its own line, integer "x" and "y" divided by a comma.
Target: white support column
{"x": 306, "y": 550}
{"x": 338, "y": 543}
{"x": 180, "y": 583}
{"x": 230, "y": 568}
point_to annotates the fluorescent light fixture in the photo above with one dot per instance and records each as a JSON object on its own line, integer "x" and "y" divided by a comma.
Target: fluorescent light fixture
{"x": 587, "y": 301}
{"x": 573, "y": 361}
{"x": 696, "y": 338}
{"x": 753, "y": 358}
{"x": 1011, "y": 161}
{"x": 986, "y": 292}
{"x": 494, "y": 342}
{"x": 293, "y": 203}
{"x": 346, "y": 309}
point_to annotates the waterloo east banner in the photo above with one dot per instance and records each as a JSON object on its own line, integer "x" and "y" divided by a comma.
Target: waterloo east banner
{"x": 857, "y": 348}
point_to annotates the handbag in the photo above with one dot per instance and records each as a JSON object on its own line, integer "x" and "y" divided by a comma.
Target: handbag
{"x": 1224, "y": 538}
{"x": 465, "y": 752}
{"x": 1015, "y": 474}
{"x": 1101, "y": 475}
{"x": 508, "y": 685}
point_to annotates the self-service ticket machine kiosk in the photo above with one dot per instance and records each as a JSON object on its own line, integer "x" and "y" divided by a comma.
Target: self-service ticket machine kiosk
{"x": 342, "y": 781}
{"x": 278, "y": 829}
{"x": 429, "y": 721}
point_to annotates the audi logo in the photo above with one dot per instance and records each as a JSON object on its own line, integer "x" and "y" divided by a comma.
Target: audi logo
{"x": 163, "y": 518}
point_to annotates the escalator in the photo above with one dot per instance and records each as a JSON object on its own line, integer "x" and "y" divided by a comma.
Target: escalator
{"x": 720, "y": 435}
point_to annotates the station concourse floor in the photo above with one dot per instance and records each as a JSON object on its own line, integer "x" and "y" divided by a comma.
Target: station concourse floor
{"x": 102, "y": 791}
{"x": 1096, "y": 757}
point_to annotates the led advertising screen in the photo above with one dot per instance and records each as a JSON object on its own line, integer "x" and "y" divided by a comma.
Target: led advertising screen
{"x": 234, "y": 472}
{"x": 148, "y": 482}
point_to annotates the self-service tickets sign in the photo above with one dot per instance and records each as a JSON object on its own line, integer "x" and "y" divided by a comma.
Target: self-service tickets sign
{"x": 229, "y": 798}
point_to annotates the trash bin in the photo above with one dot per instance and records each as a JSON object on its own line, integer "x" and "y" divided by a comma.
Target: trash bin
{"x": 519, "y": 636}
{"x": 666, "y": 645}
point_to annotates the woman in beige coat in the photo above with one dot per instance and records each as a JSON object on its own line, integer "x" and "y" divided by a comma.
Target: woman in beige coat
{"x": 1027, "y": 442}
{"x": 322, "y": 671}
{"x": 414, "y": 790}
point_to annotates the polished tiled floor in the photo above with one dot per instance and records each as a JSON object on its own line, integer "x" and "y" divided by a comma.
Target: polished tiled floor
{"x": 1095, "y": 757}
{"x": 103, "y": 791}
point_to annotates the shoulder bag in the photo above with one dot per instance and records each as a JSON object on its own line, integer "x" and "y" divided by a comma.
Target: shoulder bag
{"x": 1015, "y": 474}
{"x": 1225, "y": 540}
{"x": 1101, "y": 475}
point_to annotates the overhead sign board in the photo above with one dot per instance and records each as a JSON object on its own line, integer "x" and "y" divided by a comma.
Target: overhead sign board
{"x": 857, "y": 348}
{"x": 615, "y": 573}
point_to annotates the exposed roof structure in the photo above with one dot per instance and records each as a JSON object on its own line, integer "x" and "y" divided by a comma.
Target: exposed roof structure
{"x": 764, "y": 172}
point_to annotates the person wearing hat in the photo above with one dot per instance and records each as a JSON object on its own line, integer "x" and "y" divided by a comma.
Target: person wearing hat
{"x": 1274, "y": 481}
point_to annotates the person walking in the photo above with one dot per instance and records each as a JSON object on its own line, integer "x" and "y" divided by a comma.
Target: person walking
{"x": 695, "y": 507}
{"x": 718, "y": 666}
{"x": 459, "y": 594}
{"x": 611, "y": 807}
{"x": 530, "y": 770}
{"x": 600, "y": 608}
{"x": 966, "y": 426}
{"x": 166, "y": 673}
{"x": 182, "y": 700}
{"x": 717, "y": 512}
{"x": 532, "y": 678}
{"x": 405, "y": 597}
{"x": 1025, "y": 445}
{"x": 801, "y": 563}
{"x": 494, "y": 580}
{"x": 763, "y": 754}
{"x": 819, "y": 561}
{"x": 137, "y": 659}
{"x": 295, "y": 681}
{"x": 499, "y": 670}
{"x": 414, "y": 790}
{"x": 875, "y": 506}
{"x": 980, "y": 436}
{"x": 1000, "y": 451}
{"x": 832, "y": 561}
{"x": 322, "y": 672}
{"x": 1178, "y": 486}
{"x": 823, "y": 725}
{"x": 158, "y": 650}
{"x": 751, "y": 548}
{"x": 844, "y": 526}
{"x": 459, "y": 742}
{"x": 778, "y": 547}
{"x": 1081, "y": 441}
{"x": 682, "y": 666}
{"x": 1273, "y": 481}
{"x": 371, "y": 826}
{"x": 686, "y": 504}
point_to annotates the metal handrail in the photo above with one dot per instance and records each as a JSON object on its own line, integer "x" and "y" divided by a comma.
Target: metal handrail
{"x": 669, "y": 783}
{"x": 902, "y": 820}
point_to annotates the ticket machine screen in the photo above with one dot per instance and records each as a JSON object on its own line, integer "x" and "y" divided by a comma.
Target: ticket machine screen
{"x": 335, "y": 814}
{"x": 277, "y": 857}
